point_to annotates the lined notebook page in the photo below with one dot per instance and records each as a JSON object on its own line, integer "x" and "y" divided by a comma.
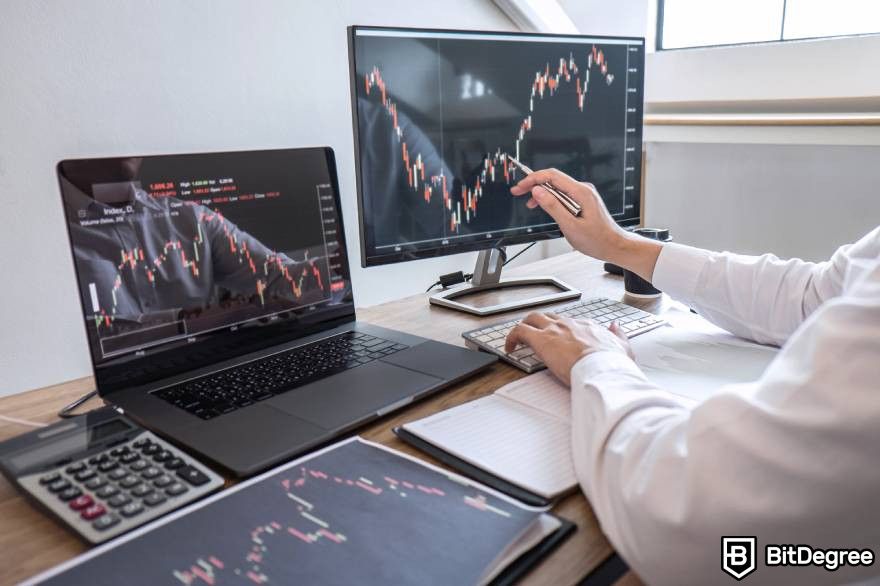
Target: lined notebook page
{"x": 525, "y": 446}
{"x": 541, "y": 391}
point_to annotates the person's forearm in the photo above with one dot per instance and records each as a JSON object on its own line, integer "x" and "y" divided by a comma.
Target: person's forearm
{"x": 637, "y": 254}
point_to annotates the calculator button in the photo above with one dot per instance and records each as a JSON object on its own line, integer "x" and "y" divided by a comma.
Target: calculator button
{"x": 69, "y": 493}
{"x": 154, "y": 500}
{"x": 55, "y": 477}
{"x": 119, "y": 500}
{"x": 95, "y": 483}
{"x": 176, "y": 489}
{"x": 81, "y": 502}
{"x": 59, "y": 485}
{"x": 142, "y": 443}
{"x": 151, "y": 472}
{"x": 151, "y": 449}
{"x": 132, "y": 509}
{"x": 129, "y": 457}
{"x": 117, "y": 474}
{"x": 192, "y": 475}
{"x": 93, "y": 512}
{"x": 163, "y": 481}
{"x": 105, "y": 522}
{"x": 86, "y": 474}
{"x": 142, "y": 490}
{"x": 173, "y": 464}
{"x": 129, "y": 481}
{"x": 74, "y": 468}
{"x": 108, "y": 465}
{"x": 138, "y": 466}
{"x": 106, "y": 492}
{"x": 162, "y": 456}
{"x": 118, "y": 451}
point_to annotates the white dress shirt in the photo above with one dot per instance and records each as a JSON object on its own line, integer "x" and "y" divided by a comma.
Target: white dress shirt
{"x": 792, "y": 458}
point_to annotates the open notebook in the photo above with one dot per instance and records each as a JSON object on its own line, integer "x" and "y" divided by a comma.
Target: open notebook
{"x": 521, "y": 434}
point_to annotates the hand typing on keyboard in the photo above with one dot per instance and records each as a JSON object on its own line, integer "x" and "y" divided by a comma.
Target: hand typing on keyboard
{"x": 560, "y": 342}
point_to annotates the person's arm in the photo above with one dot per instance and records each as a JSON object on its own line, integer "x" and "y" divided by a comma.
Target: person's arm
{"x": 761, "y": 298}
{"x": 789, "y": 458}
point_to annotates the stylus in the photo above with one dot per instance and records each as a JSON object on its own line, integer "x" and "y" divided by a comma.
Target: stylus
{"x": 566, "y": 200}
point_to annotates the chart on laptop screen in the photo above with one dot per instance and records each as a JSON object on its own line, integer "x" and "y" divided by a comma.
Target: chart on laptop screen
{"x": 170, "y": 247}
{"x": 438, "y": 113}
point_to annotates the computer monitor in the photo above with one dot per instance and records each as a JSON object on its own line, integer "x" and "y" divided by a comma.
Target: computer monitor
{"x": 188, "y": 259}
{"x": 436, "y": 112}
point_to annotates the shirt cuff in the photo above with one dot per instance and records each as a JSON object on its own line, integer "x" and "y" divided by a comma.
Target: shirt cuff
{"x": 595, "y": 364}
{"x": 678, "y": 270}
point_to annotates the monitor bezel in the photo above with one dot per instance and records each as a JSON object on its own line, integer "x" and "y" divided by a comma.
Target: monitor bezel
{"x": 475, "y": 246}
{"x": 129, "y": 370}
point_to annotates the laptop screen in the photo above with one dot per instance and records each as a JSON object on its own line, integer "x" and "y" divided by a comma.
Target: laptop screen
{"x": 180, "y": 256}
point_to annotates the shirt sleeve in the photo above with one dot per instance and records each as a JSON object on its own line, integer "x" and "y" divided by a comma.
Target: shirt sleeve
{"x": 789, "y": 458}
{"x": 761, "y": 298}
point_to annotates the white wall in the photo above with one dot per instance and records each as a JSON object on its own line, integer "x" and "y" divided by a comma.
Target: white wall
{"x": 626, "y": 18}
{"x": 92, "y": 78}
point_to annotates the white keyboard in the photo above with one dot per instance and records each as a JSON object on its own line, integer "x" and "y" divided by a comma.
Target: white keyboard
{"x": 632, "y": 321}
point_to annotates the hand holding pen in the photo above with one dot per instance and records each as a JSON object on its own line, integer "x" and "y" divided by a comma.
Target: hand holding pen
{"x": 592, "y": 232}
{"x": 566, "y": 200}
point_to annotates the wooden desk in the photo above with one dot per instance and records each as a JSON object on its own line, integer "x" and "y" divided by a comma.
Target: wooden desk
{"x": 30, "y": 541}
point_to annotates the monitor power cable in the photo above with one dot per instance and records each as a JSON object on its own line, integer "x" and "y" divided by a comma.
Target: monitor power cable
{"x": 451, "y": 279}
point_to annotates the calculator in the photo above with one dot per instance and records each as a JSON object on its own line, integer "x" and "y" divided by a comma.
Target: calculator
{"x": 102, "y": 475}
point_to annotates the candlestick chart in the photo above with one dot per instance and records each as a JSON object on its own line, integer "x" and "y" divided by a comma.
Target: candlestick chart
{"x": 438, "y": 117}
{"x": 348, "y": 515}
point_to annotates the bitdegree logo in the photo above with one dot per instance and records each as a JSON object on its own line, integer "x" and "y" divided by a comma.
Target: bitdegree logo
{"x": 806, "y": 555}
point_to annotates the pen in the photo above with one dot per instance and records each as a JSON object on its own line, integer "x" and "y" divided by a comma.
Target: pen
{"x": 566, "y": 200}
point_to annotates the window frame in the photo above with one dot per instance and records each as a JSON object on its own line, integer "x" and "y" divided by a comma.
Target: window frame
{"x": 658, "y": 37}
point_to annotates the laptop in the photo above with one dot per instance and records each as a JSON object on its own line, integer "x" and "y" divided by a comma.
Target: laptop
{"x": 219, "y": 309}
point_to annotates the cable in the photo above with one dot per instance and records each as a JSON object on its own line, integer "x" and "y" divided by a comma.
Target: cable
{"x": 67, "y": 411}
{"x": 512, "y": 258}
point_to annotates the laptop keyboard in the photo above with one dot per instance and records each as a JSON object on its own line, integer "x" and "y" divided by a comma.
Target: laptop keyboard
{"x": 225, "y": 391}
{"x": 632, "y": 322}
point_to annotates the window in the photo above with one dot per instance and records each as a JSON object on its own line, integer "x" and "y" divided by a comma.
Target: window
{"x": 700, "y": 23}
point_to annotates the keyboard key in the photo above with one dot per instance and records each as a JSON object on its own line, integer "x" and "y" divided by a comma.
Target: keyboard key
{"x": 95, "y": 483}
{"x": 142, "y": 490}
{"x": 50, "y": 478}
{"x": 119, "y": 500}
{"x": 81, "y": 502}
{"x": 117, "y": 474}
{"x": 132, "y": 509}
{"x": 85, "y": 475}
{"x": 163, "y": 481}
{"x": 176, "y": 489}
{"x": 93, "y": 512}
{"x": 105, "y": 522}
{"x": 154, "y": 500}
{"x": 151, "y": 472}
{"x": 173, "y": 464}
{"x": 139, "y": 465}
{"x": 58, "y": 485}
{"x": 107, "y": 492}
{"x": 129, "y": 481}
{"x": 192, "y": 475}
{"x": 69, "y": 493}
{"x": 108, "y": 466}
{"x": 74, "y": 468}
{"x": 151, "y": 450}
{"x": 130, "y": 457}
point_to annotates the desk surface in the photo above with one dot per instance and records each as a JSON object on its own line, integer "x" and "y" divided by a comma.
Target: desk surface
{"x": 30, "y": 541}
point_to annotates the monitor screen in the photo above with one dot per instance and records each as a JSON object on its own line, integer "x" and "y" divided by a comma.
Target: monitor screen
{"x": 436, "y": 113}
{"x": 175, "y": 251}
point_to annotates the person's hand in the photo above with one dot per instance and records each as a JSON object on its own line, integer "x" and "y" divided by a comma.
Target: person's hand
{"x": 560, "y": 341}
{"x": 594, "y": 232}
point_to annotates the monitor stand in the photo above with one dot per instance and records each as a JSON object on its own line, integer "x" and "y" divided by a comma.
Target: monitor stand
{"x": 487, "y": 277}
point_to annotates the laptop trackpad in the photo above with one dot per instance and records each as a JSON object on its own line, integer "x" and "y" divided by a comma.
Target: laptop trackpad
{"x": 349, "y": 396}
